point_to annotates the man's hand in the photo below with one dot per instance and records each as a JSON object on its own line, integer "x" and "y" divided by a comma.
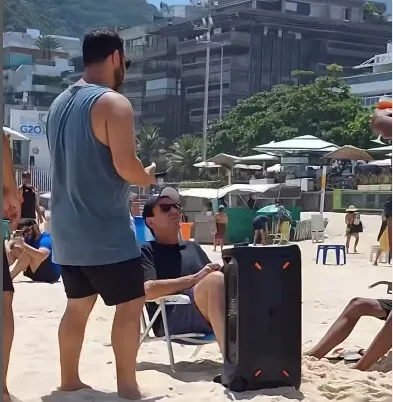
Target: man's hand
{"x": 19, "y": 241}
{"x": 12, "y": 208}
{"x": 151, "y": 171}
{"x": 381, "y": 123}
{"x": 206, "y": 270}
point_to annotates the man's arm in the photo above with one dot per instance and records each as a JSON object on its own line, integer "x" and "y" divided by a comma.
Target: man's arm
{"x": 381, "y": 123}
{"x": 114, "y": 112}
{"x": 9, "y": 182}
{"x": 155, "y": 288}
{"x": 11, "y": 199}
{"x": 40, "y": 253}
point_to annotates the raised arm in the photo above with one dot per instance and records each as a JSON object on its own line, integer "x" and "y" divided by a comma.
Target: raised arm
{"x": 113, "y": 125}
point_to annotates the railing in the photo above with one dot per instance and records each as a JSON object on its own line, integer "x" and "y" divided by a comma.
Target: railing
{"x": 40, "y": 179}
{"x": 368, "y": 78}
{"x": 160, "y": 92}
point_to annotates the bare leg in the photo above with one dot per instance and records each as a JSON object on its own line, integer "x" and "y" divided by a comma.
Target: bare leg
{"x": 125, "y": 341}
{"x": 71, "y": 334}
{"x": 264, "y": 237}
{"x": 377, "y": 255}
{"x": 214, "y": 243}
{"x": 345, "y": 324}
{"x": 356, "y": 235}
{"x": 209, "y": 295}
{"x": 381, "y": 344}
{"x": 8, "y": 336}
{"x": 20, "y": 265}
{"x": 255, "y": 237}
{"x": 347, "y": 243}
{"x": 222, "y": 244}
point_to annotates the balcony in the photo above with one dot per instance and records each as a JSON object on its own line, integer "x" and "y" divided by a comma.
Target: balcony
{"x": 141, "y": 52}
{"x": 231, "y": 39}
{"x": 158, "y": 94}
{"x": 368, "y": 78}
{"x": 161, "y": 66}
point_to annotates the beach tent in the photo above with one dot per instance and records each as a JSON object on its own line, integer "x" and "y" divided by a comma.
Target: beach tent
{"x": 386, "y": 148}
{"x": 302, "y": 144}
{"x": 350, "y": 153}
{"x": 258, "y": 159}
{"x": 14, "y": 135}
{"x": 384, "y": 162}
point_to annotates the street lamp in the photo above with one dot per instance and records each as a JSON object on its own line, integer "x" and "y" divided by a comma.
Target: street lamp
{"x": 221, "y": 44}
{"x": 207, "y": 25}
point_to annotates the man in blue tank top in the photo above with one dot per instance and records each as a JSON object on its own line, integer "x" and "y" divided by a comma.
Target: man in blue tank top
{"x": 92, "y": 147}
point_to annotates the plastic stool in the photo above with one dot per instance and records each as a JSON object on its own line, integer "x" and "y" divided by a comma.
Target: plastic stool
{"x": 374, "y": 250}
{"x": 337, "y": 248}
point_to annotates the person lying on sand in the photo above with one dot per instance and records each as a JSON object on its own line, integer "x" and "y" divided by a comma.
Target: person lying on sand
{"x": 173, "y": 266}
{"x": 344, "y": 325}
{"x": 31, "y": 253}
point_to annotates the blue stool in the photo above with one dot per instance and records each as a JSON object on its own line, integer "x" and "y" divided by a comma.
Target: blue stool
{"x": 336, "y": 247}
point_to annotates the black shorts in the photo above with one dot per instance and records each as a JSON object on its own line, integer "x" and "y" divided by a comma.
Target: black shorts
{"x": 386, "y": 305}
{"x": 116, "y": 283}
{"x": 7, "y": 281}
{"x": 45, "y": 273}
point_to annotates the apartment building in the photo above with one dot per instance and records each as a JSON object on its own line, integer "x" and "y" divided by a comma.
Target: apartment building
{"x": 32, "y": 78}
{"x": 374, "y": 78}
{"x": 262, "y": 41}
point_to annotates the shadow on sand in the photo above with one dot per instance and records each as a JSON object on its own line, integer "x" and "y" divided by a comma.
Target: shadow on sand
{"x": 90, "y": 395}
{"x": 206, "y": 370}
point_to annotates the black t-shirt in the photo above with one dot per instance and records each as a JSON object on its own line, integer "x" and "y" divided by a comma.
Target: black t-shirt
{"x": 161, "y": 261}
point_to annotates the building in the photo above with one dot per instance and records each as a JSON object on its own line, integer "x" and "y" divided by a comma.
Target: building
{"x": 262, "y": 41}
{"x": 375, "y": 79}
{"x": 32, "y": 78}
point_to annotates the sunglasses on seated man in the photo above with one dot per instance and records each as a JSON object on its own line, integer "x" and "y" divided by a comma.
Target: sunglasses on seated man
{"x": 167, "y": 207}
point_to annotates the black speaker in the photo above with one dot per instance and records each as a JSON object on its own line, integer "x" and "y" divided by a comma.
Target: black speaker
{"x": 263, "y": 342}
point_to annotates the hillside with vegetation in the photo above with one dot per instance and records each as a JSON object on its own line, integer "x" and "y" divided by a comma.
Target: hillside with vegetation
{"x": 74, "y": 17}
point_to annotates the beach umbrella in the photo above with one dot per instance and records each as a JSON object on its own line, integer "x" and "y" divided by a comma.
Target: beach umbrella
{"x": 268, "y": 210}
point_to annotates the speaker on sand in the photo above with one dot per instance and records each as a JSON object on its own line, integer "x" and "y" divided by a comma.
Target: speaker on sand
{"x": 262, "y": 317}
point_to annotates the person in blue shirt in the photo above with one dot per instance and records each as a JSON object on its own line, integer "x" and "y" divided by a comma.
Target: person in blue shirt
{"x": 31, "y": 253}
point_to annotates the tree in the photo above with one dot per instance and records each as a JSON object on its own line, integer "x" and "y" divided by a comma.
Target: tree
{"x": 182, "y": 155}
{"x": 325, "y": 109}
{"x": 372, "y": 13}
{"x": 47, "y": 44}
{"x": 151, "y": 146}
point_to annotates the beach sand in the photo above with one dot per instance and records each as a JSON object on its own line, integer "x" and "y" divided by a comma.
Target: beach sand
{"x": 34, "y": 368}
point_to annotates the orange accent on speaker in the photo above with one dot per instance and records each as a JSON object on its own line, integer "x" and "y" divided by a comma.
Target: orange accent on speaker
{"x": 258, "y": 266}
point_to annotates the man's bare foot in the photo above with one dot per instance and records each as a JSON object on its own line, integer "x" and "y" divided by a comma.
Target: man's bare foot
{"x": 73, "y": 386}
{"x": 131, "y": 393}
{"x": 6, "y": 396}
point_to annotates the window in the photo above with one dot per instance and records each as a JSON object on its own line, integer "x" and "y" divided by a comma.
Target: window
{"x": 347, "y": 14}
{"x": 291, "y": 6}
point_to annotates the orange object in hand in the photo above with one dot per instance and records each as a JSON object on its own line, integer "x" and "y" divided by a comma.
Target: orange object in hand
{"x": 384, "y": 103}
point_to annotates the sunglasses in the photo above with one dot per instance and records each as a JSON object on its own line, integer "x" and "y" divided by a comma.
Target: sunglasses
{"x": 167, "y": 207}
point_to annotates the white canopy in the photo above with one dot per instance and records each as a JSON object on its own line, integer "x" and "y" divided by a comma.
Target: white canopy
{"x": 258, "y": 158}
{"x": 304, "y": 143}
{"x": 384, "y": 162}
{"x": 385, "y": 148}
{"x": 274, "y": 168}
{"x": 15, "y": 135}
{"x": 235, "y": 189}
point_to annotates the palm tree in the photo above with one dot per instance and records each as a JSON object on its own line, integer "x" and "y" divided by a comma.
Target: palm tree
{"x": 47, "y": 44}
{"x": 151, "y": 146}
{"x": 183, "y": 154}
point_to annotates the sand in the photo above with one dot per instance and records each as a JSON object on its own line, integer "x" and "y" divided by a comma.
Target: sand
{"x": 34, "y": 369}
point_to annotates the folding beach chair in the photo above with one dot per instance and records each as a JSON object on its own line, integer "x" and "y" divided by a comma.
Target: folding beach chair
{"x": 185, "y": 339}
{"x": 283, "y": 236}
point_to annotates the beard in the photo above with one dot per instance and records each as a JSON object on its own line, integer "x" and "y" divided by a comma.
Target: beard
{"x": 119, "y": 77}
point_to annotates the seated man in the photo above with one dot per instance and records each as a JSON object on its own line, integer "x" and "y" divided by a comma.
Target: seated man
{"x": 172, "y": 266}
{"x": 32, "y": 253}
{"x": 343, "y": 326}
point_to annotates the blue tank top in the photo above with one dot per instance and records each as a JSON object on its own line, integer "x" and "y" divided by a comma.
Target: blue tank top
{"x": 90, "y": 220}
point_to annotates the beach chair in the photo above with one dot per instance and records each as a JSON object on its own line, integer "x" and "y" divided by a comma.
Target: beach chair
{"x": 198, "y": 340}
{"x": 283, "y": 236}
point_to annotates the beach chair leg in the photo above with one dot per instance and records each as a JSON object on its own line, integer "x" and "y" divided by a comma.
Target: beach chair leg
{"x": 196, "y": 351}
{"x": 150, "y": 326}
{"x": 167, "y": 335}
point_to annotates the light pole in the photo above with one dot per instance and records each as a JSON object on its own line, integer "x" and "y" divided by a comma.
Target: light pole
{"x": 222, "y": 44}
{"x": 207, "y": 25}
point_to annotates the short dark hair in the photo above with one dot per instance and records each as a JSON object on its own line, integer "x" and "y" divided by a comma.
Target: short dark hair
{"x": 100, "y": 43}
{"x": 29, "y": 222}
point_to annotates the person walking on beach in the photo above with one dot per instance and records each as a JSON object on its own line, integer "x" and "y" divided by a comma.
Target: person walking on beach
{"x": 383, "y": 237}
{"x": 11, "y": 210}
{"x": 221, "y": 221}
{"x": 30, "y": 202}
{"x": 354, "y": 226}
{"x": 91, "y": 139}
